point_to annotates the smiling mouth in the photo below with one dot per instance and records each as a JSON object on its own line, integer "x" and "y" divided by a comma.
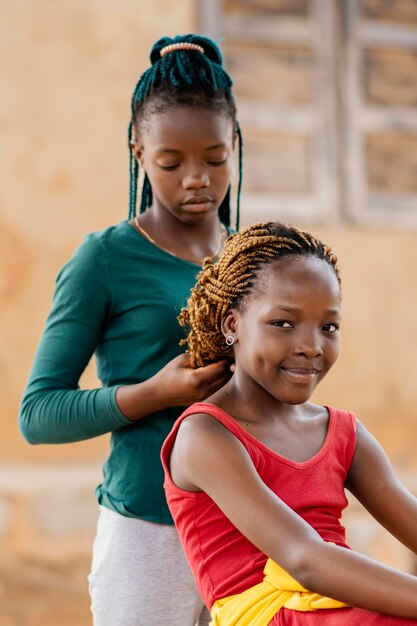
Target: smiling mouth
{"x": 300, "y": 375}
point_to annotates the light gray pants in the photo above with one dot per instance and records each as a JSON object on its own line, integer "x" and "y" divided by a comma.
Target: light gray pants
{"x": 140, "y": 576}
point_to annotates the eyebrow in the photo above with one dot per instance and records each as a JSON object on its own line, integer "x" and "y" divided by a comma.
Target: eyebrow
{"x": 293, "y": 309}
{"x": 173, "y": 151}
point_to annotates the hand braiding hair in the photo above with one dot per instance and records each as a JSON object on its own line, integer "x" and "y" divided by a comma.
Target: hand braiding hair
{"x": 225, "y": 282}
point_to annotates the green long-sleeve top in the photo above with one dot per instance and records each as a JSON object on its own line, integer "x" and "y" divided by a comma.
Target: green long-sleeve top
{"x": 118, "y": 297}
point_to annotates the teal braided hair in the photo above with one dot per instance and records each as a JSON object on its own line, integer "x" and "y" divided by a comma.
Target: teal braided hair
{"x": 181, "y": 78}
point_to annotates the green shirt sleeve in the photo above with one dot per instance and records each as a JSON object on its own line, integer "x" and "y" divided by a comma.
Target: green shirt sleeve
{"x": 54, "y": 409}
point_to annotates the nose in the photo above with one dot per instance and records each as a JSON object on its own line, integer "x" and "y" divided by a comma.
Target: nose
{"x": 310, "y": 344}
{"x": 197, "y": 179}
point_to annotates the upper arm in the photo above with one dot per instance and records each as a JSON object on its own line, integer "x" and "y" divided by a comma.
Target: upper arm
{"x": 207, "y": 457}
{"x": 373, "y": 481}
{"x": 75, "y": 322}
{"x": 53, "y": 409}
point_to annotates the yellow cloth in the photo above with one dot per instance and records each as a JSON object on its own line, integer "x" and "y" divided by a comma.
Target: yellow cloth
{"x": 259, "y": 604}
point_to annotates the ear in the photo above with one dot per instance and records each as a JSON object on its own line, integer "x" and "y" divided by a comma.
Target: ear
{"x": 229, "y": 323}
{"x": 138, "y": 152}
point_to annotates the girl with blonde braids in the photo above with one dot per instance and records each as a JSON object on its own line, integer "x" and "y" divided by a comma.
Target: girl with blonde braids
{"x": 255, "y": 475}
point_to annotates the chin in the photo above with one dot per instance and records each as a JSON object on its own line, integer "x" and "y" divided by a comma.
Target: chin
{"x": 295, "y": 399}
{"x": 200, "y": 216}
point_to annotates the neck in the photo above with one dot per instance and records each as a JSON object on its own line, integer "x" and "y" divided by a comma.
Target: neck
{"x": 165, "y": 223}
{"x": 245, "y": 403}
{"x": 191, "y": 242}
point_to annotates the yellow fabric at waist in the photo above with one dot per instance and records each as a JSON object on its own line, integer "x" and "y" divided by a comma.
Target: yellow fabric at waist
{"x": 259, "y": 604}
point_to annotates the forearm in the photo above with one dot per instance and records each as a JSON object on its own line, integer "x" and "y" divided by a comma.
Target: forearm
{"x": 65, "y": 416}
{"x": 358, "y": 581}
{"x": 69, "y": 415}
{"x": 174, "y": 385}
{"x": 139, "y": 400}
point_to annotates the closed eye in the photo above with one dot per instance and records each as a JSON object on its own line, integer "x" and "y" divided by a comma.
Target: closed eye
{"x": 169, "y": 168}
{"x": 331, "y": 328}
{"x": 217, "y": 163}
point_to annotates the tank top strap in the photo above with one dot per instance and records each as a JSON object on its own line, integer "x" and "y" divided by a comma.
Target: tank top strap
{"x": 341, "y": 442}
{"x": 345, "y": 431}
{"x": 216, "y": 412}
{"x": 342, "y": 426}
{"x": 210, "y": 409}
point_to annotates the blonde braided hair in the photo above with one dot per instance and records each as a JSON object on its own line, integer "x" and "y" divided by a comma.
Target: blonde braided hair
{"x": 223, "y": 283}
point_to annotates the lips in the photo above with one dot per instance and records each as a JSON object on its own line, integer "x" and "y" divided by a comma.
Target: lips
{"x": 198, "y": 203}
{"x": 300, "y": 375}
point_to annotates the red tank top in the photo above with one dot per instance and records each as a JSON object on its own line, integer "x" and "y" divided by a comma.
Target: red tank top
{"x": 223, "y": 561}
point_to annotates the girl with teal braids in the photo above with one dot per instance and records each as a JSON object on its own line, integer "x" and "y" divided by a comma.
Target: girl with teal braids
{"x": 119, "y": 297}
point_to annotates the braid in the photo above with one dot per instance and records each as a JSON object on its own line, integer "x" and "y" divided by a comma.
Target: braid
{"x": 239, "y": 185}
{"x": 224, "y": 283}
{"x": 183, "y": 77}
{"x": 133, "y": 176}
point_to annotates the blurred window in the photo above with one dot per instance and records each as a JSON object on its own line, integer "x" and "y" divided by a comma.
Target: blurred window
{"x": 327, "y": 97}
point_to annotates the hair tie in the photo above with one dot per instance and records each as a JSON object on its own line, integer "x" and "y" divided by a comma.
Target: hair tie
{"x": 181, "y": 46}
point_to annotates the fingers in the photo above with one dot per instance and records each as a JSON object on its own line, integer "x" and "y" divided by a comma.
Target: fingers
{"x": 218, "y": 365}
{"x": 210, "y": 378}
{"x": 181, "y": 385}
{"x": 212, "y": 371}
{"x": 183, "y": 360}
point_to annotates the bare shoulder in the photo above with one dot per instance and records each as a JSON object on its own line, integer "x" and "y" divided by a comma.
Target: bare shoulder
{"x": 197, "y": 421}
{"x": 200, "y": 428}
{"x": 203, "y": 447}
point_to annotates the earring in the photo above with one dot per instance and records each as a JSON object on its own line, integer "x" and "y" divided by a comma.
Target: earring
{"x": 230, "y": 340}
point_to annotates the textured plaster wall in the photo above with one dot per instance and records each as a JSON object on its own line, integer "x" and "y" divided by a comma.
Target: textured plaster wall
{"x": 68, "y": 68}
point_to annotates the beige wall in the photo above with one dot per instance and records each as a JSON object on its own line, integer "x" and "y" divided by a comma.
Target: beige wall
{"x": 68, "y": 69}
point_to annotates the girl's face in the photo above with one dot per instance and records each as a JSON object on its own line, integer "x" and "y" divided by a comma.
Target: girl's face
{"x": 287, "y": 332}
{"x": 187, "y": 154}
